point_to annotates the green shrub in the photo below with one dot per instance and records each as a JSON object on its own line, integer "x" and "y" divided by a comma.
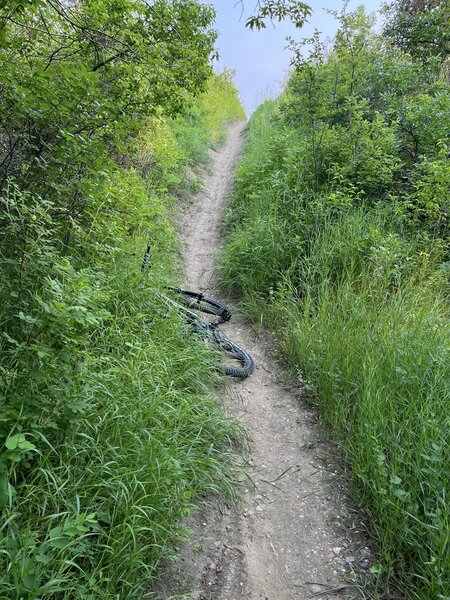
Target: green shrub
{"x": 220, "y": 104}
{"x": 428, "y": 202}
{"x": 108, "y": 430}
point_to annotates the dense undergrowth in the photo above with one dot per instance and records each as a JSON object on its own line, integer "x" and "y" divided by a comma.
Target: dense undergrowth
{"x": 108, "y": 429}
{"x": 337, "y": 240}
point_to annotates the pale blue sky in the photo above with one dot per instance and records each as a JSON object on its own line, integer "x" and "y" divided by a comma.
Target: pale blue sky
{"x": 259, "y": 57}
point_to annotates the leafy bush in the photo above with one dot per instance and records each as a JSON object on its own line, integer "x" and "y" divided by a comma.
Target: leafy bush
{"x": 429, "y": 200}
{"x": 108, "y": 430}
{"x": 220, "y": 104}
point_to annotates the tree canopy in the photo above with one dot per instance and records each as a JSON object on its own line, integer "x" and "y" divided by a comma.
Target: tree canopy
{"x": 421, "y": 27}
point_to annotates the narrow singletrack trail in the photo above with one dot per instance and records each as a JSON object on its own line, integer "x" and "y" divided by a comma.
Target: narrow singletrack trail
{"x": 289, "y": 537}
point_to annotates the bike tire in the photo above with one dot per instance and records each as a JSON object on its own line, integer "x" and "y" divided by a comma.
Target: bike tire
{"x": 210, "y": 331}
{"x": 206, "y": 304}
{"x": 237, "y": 353}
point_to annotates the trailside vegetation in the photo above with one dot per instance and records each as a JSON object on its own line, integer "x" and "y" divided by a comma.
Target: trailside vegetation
{"x": 108, "y": 430}
{"x": 337, "y": 238}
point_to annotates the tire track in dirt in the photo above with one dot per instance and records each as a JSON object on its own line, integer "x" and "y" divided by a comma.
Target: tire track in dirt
{"x": 286, "y": 539}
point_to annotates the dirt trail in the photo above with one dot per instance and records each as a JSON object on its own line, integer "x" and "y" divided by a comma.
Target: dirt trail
{"x": 286, "y": 539}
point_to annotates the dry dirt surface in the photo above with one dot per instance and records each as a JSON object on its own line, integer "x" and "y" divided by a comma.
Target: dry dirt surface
{"x": 291, "y": 535}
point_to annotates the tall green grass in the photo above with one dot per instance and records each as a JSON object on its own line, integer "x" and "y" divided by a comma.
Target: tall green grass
{"x": 99, "y": 506}
{"x": 377, "y": 354}
{"x": 360, "y": 312}
{"x": 109, "y": 431}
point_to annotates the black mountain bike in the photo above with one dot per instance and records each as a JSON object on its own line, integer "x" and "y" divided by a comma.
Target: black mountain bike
{"x": 236, "y": 361}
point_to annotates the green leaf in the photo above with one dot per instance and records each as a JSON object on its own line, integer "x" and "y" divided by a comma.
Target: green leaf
{"x": 55, "y": 532}
{"x": 60, "y": 542}
{"x": 395, "y": 480}
{"x": 43, "y": 559}
{"x": 19, "y": 441}
{"x": 30, "y": 582}
{"x": 401, "y": 494}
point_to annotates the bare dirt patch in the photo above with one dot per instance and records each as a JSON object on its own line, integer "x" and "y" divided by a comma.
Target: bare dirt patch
{"x": 291, "y": 535}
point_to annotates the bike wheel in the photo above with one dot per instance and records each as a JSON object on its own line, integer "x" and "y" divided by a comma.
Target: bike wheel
{"x": 237, "y": 362}
{"x": 205, "y": 304}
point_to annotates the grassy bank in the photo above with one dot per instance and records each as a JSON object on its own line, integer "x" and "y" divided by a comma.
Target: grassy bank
{"x": 326, "y": 247}
{"x": 109, "y": 430}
